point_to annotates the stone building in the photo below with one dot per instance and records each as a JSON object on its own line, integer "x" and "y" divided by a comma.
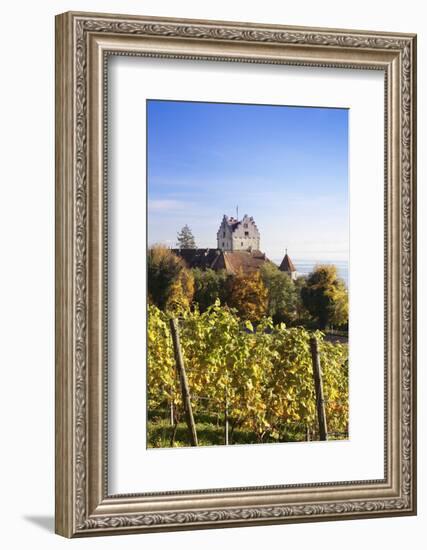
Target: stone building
{"x": 240, "y": 235}
{"x": 238, "y": 250}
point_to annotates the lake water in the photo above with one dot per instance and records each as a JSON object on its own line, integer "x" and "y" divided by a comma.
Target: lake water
{"x": 304, "y": 267}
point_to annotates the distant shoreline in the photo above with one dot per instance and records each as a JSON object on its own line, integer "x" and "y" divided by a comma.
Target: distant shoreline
{"x": 305, "y": 267}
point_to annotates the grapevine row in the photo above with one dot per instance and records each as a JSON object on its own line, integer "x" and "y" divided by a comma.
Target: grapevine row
{"x": 264, "y": 375}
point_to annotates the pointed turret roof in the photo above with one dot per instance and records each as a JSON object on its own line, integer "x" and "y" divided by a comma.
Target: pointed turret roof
{"x": 287, "y": 264}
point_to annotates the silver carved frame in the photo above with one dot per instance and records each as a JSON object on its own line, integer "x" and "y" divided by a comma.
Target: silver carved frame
{"x": 83, "y": 43}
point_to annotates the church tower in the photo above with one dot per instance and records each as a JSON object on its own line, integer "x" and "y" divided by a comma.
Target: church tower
{"x": 288, "y": 267}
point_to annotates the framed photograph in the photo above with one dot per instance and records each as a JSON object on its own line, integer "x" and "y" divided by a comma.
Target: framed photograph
{"x": 235, "y": 274}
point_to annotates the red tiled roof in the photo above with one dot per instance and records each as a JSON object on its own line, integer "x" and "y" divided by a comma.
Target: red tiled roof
{"x": 231, "y": 261}
{"x": 245, "y": 261}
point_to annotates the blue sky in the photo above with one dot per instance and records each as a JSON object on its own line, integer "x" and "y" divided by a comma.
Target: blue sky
{"x": 285, "y": 166}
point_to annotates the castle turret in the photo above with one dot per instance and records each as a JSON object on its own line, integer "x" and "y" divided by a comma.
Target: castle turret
{"x": 288, "y": 267}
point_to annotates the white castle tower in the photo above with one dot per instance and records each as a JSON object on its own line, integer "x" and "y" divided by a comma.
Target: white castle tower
{"x": 238, "y": 235}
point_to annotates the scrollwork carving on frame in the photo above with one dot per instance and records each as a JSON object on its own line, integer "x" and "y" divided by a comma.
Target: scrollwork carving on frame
{"x": 404, "y": 48}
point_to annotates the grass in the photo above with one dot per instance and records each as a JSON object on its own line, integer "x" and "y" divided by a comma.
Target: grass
{"x": 210, "y": 431}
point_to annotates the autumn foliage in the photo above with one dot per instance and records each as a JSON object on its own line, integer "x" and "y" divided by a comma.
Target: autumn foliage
{"x": 325, "y": 296}
{"x": 170, "y": 283}
{"x": 265, "y": 375}
{"x": 249, "y": 296}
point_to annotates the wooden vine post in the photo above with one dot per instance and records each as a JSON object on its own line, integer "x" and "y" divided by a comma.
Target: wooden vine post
{"x": 186, "y": 399}
{"x": 226, "y": 423}
{"x": 318, "y": 386}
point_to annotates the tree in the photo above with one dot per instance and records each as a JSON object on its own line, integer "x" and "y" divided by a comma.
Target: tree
{"x": 181, "y": 292}
{"x": 302, "y": 314}
{"x": 169, "y": 281}
{"x": 249, "y": 296}
{"x": 325, "y": 296}
{"x": 282, "y": 294}
{"x": 185, "y": 238}
{"x": 209, "y": 286}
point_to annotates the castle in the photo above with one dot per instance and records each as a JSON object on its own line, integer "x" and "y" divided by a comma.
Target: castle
{"x": 238, "y": 249}
{"x": 238, "y": 235}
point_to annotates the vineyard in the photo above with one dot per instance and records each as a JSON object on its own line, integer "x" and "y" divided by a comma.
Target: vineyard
{"x": 258, "y": 382}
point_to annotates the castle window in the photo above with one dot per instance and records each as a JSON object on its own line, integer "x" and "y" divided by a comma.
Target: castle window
{"x": 246, "y": 233}
{"x": 245, "y": 225}
{"x": 222, "y": 245}
{"x": 223, "y": 234}
{"x": 241, "y": 245}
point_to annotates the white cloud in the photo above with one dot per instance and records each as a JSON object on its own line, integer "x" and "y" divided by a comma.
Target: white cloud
{"x": 167, "y": 205}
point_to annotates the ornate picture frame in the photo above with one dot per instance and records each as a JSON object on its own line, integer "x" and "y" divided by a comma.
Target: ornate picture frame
{"x": 84, "y": 42}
